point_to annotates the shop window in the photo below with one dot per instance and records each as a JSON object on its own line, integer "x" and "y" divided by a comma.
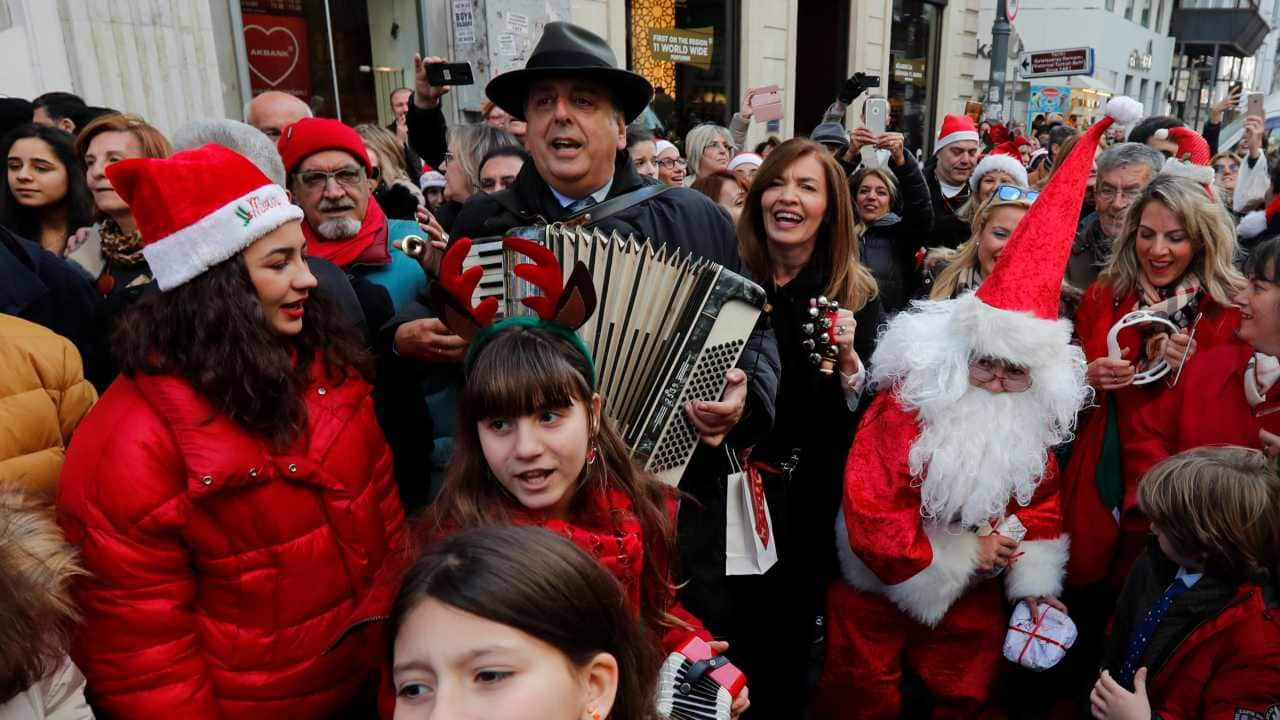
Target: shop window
{"x": 912, "y": 82}
{"x": 693, "y": 92}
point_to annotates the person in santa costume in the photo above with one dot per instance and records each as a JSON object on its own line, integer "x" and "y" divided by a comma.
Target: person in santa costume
{"x": 231, "y": 493}
{"x": 951, "y": 464}
{"x": 955, "y": 156}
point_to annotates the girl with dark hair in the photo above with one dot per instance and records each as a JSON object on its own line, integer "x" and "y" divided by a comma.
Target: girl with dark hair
{"x": 726, "y": 189}
{"x": 43, "y": 193}
{"x": 518, "y": 623}
{"x": 534, "y": 447}
{"x": 233, "y": 487}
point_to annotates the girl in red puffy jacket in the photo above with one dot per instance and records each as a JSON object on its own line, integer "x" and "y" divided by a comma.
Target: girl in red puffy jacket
{"x": 534, "y": 448}
{"x": 1196, "y": 634}
{"x": 231, "y": 493}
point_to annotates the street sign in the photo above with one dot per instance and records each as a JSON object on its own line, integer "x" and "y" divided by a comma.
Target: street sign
{"x": 1051, "y": 63}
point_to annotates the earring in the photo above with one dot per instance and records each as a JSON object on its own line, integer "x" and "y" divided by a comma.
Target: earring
{"x": 591, "y": 454}
{"x": 593, "y": 714}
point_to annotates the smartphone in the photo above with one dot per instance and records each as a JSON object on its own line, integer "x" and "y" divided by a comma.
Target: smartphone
{"x": 1255, "y": 105}
{"x": 766, "y": 104}
{"x": 876, "y": 111}
{"x": 450, "y": 74}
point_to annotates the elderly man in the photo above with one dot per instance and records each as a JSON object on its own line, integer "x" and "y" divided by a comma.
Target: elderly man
{"x": 1123, "y": 172}
{"x": 401, "y": 99}
{"x": 273, "y": 111}
{"x": 329, "y": 174}
{"x": 955, "y": 155}
{"x": 951, "y": 501}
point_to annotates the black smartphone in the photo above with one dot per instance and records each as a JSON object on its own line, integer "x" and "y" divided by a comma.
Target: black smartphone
{"x": 450, "y": 74}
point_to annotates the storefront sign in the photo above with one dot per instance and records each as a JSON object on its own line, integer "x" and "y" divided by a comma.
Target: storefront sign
{"x": 464, "y": 22}
{"x": 1048, "y": 63}
{"x": 909, "y": 70}
{"x": 278, "y": 58}
{"x": 272, "y": 7}
{"x": 1047, "y": 99}
{"x": 1139, "y": 61}
{"x": 682, "y": 45}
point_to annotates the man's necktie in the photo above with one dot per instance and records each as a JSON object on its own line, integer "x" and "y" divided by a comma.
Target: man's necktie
{"x": 578, "y": 206}
{"x": 1146, "y": 628}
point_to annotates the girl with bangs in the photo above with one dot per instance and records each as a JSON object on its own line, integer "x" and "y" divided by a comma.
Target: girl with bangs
{"x": 534, "y": 448}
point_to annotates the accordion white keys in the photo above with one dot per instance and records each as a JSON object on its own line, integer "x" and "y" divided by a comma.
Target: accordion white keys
{"x": 696, "y": 685}
{"x": 667, "y": 327}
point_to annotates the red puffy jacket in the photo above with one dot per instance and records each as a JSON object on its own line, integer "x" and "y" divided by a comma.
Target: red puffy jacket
{"x": 227, "y": 580}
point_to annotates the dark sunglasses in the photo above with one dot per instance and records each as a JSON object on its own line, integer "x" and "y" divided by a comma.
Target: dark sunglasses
{"x": 1232, "y": 167}
{"x": 1010, "y": 193}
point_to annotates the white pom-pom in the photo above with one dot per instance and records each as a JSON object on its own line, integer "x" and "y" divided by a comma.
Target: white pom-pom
{"x": 1182, "y": 168}
{"x": 1124, "y": 110}
{"x": 1161, "y": 134}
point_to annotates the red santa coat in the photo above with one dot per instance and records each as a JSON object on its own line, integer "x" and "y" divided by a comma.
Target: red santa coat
{"x": 1228, "y": 668}
{"x": 1208, "y": 407}
{"x": 1096, "y": 538}
{"x": 890, "y": 550}
{"x": 226, "y": 580}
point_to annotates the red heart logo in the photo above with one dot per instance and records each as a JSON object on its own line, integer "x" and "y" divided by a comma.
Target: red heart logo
{"x": 271, "y": 59}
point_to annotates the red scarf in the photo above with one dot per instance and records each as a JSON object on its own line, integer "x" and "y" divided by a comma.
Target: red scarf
{"x": 367, "y": 247}
{"x": 607, "y": 529}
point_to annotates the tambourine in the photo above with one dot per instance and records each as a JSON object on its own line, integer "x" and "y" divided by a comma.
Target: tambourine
{"x": 414, "y": 246}
{"x": 1140, "y": 317}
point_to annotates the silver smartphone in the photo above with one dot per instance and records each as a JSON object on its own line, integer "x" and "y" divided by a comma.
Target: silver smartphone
{"x": 876, "y": 112}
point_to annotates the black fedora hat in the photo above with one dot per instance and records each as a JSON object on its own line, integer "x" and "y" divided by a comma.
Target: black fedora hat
{"x": 568, "y": 50}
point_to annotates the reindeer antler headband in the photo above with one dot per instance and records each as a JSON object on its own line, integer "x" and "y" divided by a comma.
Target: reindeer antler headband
{"x": 562, "y": 308}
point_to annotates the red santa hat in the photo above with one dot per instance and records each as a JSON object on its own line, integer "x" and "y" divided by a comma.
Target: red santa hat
{"x": 1192, "y": 158}
{"x": 1005, "y": 158}
{"x": 1014, "y": 313}
{"x": 198, "y": 208}
{"x": 954, "y": 129}
{"x": 999, "y": 133}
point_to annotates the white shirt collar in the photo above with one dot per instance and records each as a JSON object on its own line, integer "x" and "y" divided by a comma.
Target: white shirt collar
{"x": 949, "y": 190}
{"x": 599, "y": 195}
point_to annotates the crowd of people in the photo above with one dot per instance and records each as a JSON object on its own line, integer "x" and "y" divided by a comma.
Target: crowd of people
{"x": 261, "y": 457}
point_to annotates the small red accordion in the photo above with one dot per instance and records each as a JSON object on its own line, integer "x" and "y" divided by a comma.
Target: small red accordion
{"x": 696, "y": 684}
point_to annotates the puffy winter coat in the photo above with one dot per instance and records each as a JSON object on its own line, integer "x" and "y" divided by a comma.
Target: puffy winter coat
{"x": 43, "y": 396}
{"x": 229, "y": 580}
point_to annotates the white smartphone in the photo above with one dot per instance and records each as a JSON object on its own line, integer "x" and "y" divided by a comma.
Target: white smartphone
{"x": 876, "y": 111}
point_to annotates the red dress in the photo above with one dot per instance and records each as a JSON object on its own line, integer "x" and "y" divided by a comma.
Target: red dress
{"x": 225, "y": 579}
{"x": 1101, "y": 547}
{"x": 606, "y": 528}
{"x": 910, "y": 593}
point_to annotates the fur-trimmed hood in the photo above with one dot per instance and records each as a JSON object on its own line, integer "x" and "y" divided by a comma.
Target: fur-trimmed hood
{"x": 36, "y": 610}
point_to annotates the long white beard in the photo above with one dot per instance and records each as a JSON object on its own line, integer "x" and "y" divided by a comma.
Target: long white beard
{"x": 977, "y": 450}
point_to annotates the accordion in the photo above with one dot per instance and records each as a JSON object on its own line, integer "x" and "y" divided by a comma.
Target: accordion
{"x": 695, "y": 685}
{"x": 667, "y": 328}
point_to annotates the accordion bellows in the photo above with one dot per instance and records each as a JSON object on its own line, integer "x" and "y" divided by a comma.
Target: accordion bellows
{"x": 667, "y": 328}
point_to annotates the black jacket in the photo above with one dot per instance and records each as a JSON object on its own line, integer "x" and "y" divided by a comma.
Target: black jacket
{"x": 890, "y": 244}
{"x": 427, "y": 134}
{"x": 948, "y": 230}
{"x": 412, "y": 163}
{"x": 41, "y": 287}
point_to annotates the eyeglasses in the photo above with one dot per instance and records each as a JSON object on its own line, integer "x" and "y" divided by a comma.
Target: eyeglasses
{"x": 1010, "y": 193}
{"x": 669, "y": 163}
{"x": 1231, "y": 167}
{"x": 448, "y": 157}
{"x": 1013, "y": 378}
{"x": 316, "y": 179}
{"x": 721, "y": 145}
{"x": 1110, "y": 192}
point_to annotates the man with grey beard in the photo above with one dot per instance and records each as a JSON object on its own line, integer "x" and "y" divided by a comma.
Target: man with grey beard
{"x": 1123, "y": 172}
{"x": 331, "y": 179}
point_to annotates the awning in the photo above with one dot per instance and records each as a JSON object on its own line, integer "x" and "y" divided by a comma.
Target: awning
{"x": 1090, "y": 83}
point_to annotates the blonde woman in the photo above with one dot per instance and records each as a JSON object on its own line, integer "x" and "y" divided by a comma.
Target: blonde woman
{"x": 1173, "y": 257}
{"x": 992, "y": 171}
{"x": 949, "y": 273}
{"x": 709, "y": 148}
{"x": 797, "y": 239}
{"x": 1226, "y": 171}
{"x": 398, "y": 196}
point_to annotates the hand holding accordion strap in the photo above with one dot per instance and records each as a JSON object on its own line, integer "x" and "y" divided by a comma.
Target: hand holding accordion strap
{"x": 563, "y": 307}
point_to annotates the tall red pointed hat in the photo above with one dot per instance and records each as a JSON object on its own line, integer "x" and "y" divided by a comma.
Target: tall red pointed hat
{"x": 1028, "y": 276}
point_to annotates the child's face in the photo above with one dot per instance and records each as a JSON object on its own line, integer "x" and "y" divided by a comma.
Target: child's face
{"x": 1172, "y": 553}
{"x": 538, "y": 458}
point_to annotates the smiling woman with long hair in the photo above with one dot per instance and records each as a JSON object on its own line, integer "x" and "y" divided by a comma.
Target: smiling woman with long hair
{"x": 232, "y": 486}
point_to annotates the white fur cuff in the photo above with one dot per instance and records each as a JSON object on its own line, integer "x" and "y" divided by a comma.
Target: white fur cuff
{"x": 1039, "y": 569}
{"x": 927, "y": 595}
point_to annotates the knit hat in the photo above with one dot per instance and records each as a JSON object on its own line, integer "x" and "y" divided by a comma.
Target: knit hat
{"x": 432, "y": 179}
{"x": 1192, "y": 160}
{"x": 999, "y": 134}
{"x": 311, "y": 135}
{"x": 660, "y": 146}
{"x": 1003, "y": 158}
{"x": 198, "y": 208}
{"x": 954, "y": 129}
{"x": 744, "y": 159}
{"x": 830, "y": 133}
{"x": 1014, "y": 313}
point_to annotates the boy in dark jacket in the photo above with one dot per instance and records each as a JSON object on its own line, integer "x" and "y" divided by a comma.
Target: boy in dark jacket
{"x": 1196, "y": 633}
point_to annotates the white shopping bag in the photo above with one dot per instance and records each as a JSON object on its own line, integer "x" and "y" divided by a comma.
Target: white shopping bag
{"x": 745, "y": 552}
